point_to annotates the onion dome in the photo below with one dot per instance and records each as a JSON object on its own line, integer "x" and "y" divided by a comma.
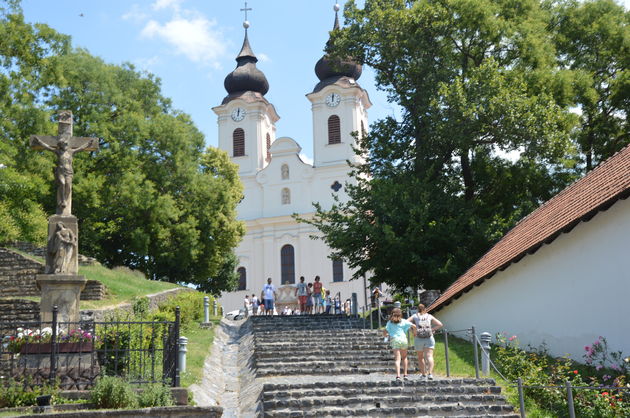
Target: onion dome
{"x": 327, "y": 68}
{"x": 246, "y": 77}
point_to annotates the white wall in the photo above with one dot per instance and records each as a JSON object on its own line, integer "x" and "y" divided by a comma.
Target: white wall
{"x": 566, "y": 294}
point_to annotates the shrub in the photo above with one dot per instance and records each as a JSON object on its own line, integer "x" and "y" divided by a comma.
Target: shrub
{"x": 15, "y": 394}
{"x": 190, "y": 305}
{"x": 113, "y": 393}
{"x": 140, "y": 306}
{"x": 156, "y": 394}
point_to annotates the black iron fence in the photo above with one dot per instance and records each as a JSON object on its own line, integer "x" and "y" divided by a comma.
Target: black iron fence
{"x": 74, "y": 354}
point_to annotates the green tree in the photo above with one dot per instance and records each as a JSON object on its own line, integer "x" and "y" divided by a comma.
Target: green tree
{"x": 480, "y": 144}
{"x": 153, "y": 197}
{"x": 593, "y": 42}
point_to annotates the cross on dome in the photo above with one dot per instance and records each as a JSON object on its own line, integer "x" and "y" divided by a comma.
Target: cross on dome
{"x": 246, "y": 9}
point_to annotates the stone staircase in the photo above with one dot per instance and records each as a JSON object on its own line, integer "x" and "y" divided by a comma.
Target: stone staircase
{"x": 328, "y": 365}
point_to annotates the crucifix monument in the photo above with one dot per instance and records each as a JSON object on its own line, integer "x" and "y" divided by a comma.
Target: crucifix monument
{"x": 61, "y": 285}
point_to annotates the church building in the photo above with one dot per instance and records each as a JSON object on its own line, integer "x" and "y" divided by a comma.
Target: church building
{"x": 277, "y": 183}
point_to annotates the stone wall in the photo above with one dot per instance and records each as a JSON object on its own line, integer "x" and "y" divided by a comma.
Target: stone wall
{"x": 18, "y": 310}
{"x": 17, "y": 275}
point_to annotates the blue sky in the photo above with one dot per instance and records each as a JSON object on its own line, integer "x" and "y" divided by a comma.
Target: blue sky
{"x": 191, "y": 45}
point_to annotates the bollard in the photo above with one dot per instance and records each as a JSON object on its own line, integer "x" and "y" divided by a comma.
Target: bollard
{"x": 364, "y": 317}
{"x": 183, "y": 341}
{"x": 354, "y": 307}
{"x": 485, "y": 339}
{"x": 206, "y": 309}
{"x": 214, "y": 307}
{"x": 475, "y": 352}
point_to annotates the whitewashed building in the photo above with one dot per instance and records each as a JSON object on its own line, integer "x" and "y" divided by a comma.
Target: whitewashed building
{"x": 277, "y": 183}
{"x": 561, "y": 276}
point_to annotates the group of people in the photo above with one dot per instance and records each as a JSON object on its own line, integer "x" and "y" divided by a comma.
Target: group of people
{"x": 423, "y": 326}
{"x": 313, "y": 298}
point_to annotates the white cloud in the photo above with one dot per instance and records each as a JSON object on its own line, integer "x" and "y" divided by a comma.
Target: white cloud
{"x": 165, "y": 4}
{"x": 306, "y": 159}
{"x": 146, "y": 63}
{"x": 263, "y": 57}
{"x": 194, "y": 38}
{"x": 136, "y": 14}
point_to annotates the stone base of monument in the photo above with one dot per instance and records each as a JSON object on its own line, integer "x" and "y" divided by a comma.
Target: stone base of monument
{"x": 63, "y": 291}
{"x": 70, "y": 222}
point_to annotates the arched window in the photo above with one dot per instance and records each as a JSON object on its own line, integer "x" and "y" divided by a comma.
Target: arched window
{"x": 337, "y": 266}
{"x": 287, "y": 264}
{"x": 284, "y": 171}
{"x": 238, "y": 142}
{"x": 268, "y": 148}
{"x": 286, "y": 196}
{"x": 334, "y": 130}
{"x": 242, "y": 278}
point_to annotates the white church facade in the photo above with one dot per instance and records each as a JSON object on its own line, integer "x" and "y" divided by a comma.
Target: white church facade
{"x": 278, "y": 184}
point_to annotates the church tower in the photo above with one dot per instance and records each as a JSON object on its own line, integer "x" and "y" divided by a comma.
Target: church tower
{"x": 246, "y": 119}
{"x": 339, "y": 107}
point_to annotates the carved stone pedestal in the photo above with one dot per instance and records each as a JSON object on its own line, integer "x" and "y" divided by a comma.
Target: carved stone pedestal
{"x": 63, "y": 290}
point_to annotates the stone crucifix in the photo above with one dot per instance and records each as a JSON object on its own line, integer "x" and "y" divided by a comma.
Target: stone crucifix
{"x": 64, "y": 145}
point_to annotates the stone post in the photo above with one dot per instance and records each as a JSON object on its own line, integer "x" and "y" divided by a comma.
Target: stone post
{"x": 183, "y": 342}
{"x": 354, "y": 307}
{"x": 214, "y": 307}
{"x": 485, "y": 339}
{"x": 206, "y": 309}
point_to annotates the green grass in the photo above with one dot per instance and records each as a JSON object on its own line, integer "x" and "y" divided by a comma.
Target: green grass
{"x": 199, "y": 344}
{"x": 123, "y": 284}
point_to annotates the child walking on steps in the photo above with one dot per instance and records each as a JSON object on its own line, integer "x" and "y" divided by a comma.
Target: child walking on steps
{"x": 396, "y": 329}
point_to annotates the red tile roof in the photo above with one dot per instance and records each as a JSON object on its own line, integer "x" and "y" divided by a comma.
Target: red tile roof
{"x": 579, "y": 202}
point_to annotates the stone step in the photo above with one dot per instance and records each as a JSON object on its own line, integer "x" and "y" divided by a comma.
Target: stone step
{"x": 337, "y": 369}
{"x": 321, "y": 346}
{"x": 385, "y": 400}
{"x": 419, "y": 387}
{"x": 337, "y": 355}
{"x": 372, "y": 409}
{"x": 291, "y": 332}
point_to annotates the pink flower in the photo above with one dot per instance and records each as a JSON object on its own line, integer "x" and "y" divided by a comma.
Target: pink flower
{"x": 599, "y": 367}
{"x": 512, "y": 338}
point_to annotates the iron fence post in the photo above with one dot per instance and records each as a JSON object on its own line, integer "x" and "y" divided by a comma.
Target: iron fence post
{"x": 448, "y": 365}
{"x": 521, "y": 398}
{"x": 475, "y": 352}
{"x": 53, "y": 347}
{"x": 570, "y": 400}
{"x": 176, "y": 339}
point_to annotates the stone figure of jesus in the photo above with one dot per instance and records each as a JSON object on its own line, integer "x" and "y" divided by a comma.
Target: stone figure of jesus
{"x": 65, "y": 146}
{"x": 61, "y": 247}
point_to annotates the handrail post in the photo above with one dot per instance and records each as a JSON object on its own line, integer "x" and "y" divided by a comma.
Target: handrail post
{"x": 521, "y": 397}
{"x": 363, "y": 315}
{"x": 570, "y": 400}
{"x": 485, "y": 339}
{"x": 475, "y": 352}
{"x": 53, "y": 347}
{"x": 448, "y": 365}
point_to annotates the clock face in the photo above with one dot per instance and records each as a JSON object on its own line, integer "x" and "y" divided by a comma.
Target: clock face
{"x": 238, "y": 114}
{"x": 333, "y": 99}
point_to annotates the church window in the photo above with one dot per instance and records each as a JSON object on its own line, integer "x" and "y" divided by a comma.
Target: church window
{"x": 285, "y": 172}
{"x": 337, "y": 266}
{"x": 287, "y": 264}
{"x": 268, "y": 148}
{"x": 242, "y": 278}
{"x": 238, "y": 142}
{"x": 334, "y": 130}
{"x": 286, "y": 196}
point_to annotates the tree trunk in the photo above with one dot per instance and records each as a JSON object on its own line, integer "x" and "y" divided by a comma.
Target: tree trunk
{"x": 469, "y": 185}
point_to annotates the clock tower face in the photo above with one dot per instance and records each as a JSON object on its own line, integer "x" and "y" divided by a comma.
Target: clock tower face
{"x": 238, "y": 114}
{"x": 333, "y": 99}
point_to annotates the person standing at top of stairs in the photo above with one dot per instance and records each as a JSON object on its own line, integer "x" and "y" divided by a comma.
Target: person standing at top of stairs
{"x": 268, "y": 296}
